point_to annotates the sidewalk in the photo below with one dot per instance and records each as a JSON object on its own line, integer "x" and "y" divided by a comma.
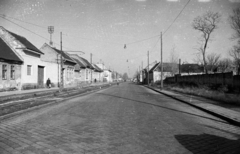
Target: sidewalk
{"x": 17, "y": 92}
{"x": 205, "y": 105}
{"x": 16, "y": 102}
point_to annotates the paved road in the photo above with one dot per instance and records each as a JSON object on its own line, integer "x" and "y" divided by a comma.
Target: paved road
{"x": 124, "y": 119}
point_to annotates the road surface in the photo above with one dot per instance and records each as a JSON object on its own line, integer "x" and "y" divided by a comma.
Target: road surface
{"x": 124, "y": 119}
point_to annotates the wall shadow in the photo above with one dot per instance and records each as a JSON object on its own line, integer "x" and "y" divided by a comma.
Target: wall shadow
{"x": 209, "y": 144}
{"x": 163, "y": 107}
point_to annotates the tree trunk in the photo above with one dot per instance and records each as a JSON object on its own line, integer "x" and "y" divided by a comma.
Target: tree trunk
{"x": 204, "y": 63}
{"x": 204, "y": 52}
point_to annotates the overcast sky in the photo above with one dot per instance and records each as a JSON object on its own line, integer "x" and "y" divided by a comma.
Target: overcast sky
{"x": 102, "y": 27}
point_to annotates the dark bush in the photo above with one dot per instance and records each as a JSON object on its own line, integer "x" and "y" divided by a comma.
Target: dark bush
{"x": 188, "y": 84}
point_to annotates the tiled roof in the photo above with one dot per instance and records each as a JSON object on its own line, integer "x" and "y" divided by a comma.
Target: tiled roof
{"x": 151, "y": 69}
{"x": 167, "y": 67}
{"x": 88, "y": 65}
{"x": 65, "y": 56}
{"x": 80, "y": 64}
{"x": 97, "y": 68}
{"x": 7, "y": 53}
{"x": 25, "y": 42}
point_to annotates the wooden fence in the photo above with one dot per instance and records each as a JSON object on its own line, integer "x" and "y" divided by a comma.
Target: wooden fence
{"x": 217, "y": 78}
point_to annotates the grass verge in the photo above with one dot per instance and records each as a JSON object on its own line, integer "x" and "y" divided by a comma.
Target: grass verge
{"x": 219, "y": 94}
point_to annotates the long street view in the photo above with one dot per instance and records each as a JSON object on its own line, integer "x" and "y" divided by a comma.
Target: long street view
{"x": 123, "y": 119}
{"x": 119, "y": 76}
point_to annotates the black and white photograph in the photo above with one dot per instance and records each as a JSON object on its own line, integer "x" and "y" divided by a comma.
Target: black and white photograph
{"x": 119, "y": 76}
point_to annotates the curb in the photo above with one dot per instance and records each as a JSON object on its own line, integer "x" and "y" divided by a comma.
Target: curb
{"x": 12, "y": 115}
{"x": 219, "y": 115}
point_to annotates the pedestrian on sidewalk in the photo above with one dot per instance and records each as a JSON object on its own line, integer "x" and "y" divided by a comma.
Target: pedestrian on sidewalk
{"x": 49, "y": 83}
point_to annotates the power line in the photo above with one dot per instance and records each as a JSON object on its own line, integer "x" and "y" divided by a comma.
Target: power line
{"x": 5, "y": 17}
{"x": 143, "y": 39}
{"x": 164, "y": 31}
{"x": 24, "y": 28}
{"x": 31, "y": 31}
{"x": 142, "y": 55}
{"x": 176, "y": 17}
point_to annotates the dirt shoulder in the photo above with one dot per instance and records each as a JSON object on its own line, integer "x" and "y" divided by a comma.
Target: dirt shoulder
{"x": 220, "y": 98}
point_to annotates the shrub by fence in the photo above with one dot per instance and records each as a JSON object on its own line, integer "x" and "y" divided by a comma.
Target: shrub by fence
{"x": 209, "y": 79}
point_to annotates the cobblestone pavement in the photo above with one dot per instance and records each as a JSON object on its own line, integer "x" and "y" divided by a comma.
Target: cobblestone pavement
{"x": 124, "y": 119}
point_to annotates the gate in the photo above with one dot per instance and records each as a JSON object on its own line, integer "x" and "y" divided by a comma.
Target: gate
{"x": 40, "y": 76}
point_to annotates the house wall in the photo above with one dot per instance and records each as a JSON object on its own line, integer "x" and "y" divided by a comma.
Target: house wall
{"x": 31, "y": 81}
{"x": 107, "y": 75}
{"x": 81, "y": 78}
{"x": 157, "y": 75}
{"x": 8, "y": 83}
{"x": 52, "y": 60}
{"x": 49, "y": 54}
{"x": 69, "y": 76}
{"x": 97, "y": 76}
{"x": 27, "y": 81}
{"x": 52, "y": 71}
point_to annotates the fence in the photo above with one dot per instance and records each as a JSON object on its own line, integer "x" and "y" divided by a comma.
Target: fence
{"x": 217, "y": 78}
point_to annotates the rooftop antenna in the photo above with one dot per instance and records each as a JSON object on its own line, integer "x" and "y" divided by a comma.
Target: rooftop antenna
{"x": 50, "y": 31}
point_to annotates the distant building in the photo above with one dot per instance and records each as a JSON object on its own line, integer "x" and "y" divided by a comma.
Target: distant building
{"x": 81, "y": 69}
{"x": 106, "y": 74}
{"x": 97, "y": 73}
{"x": 155, "y": 71}
{"x": 187, "y": 69}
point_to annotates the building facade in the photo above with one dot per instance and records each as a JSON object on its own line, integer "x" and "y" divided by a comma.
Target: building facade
{"x": 30, "y": 73}
{"x": 52, "y": 57}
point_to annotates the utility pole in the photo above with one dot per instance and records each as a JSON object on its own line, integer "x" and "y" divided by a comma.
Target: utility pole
{"x": 161, "y": 64}
{"x": 179, "y": 67}
{"x": 142, "y": 72}
{"x": 139, "y": 74}
{"x": 91, "y": 64}
{"x": 148, "y": 69}
{"x": 61, "y": 85}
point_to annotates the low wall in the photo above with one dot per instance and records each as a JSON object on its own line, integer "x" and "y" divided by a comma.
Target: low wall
{"x": 217, "y": 78}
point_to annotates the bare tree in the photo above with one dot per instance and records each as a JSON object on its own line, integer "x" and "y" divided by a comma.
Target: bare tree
{"x": 174, "y": 61}
{"x": 212, "y": 61}
{"x": 206, "y": 24}
{"x": 235, "y": 53}
{"x": 234, "y": 21}
{"x": 225, "y": 65}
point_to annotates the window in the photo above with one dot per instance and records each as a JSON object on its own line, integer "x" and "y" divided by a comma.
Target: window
{"x": 12, "y": 75}
{"x": 4, "y": 72}
{"x": 29, "y": 70}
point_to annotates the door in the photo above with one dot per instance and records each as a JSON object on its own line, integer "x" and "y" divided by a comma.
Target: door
{"x": 40, "y": 76}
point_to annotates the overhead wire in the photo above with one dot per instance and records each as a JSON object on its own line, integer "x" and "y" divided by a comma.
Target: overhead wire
{"x": 5, "y": 17}
{"x": 143, "y": 39}
{"x": 24, "y": 28}
{"x": 33, "y": 32}
{"x": 176, "y": 17}
{"x": 144, "y": 53}
{"x": 165, "y": 30}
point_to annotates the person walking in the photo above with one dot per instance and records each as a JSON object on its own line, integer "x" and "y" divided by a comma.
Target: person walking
{"x": 49, "y": 83}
